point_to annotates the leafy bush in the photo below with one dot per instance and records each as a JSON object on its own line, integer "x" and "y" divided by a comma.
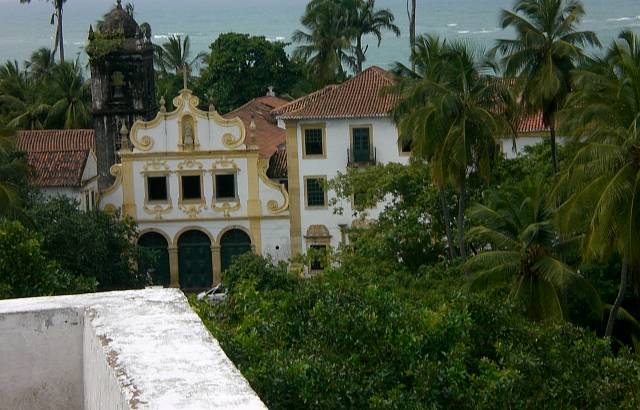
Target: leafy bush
{"x": 397, "y": 341}
{"x": 25, "y": 271}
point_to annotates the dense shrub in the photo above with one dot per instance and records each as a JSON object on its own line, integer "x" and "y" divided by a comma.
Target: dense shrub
{"x": 368, "y": 341}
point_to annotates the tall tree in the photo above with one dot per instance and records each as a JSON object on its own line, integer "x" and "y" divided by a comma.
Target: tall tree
{"x": 175, "y": 55}
{"x": 56, "y": 18}
{"x": 41, "y": 64}
{"x": 71, "y": 107}
{"x": 546, "y": 49}
{"x": 518, "y": 229}
{"x": 326, "y": 43}
{"x": 367, "y": 20}
{"x": 602, "y": 183}
{"x": 21, "y": 98}
{"x": 411, "y": 13}
{"x": 447, "y": 111}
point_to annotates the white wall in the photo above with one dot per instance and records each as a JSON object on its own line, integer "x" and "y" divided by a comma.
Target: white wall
{"x": 338, "y": 141}
{"x": 41, "y": 359}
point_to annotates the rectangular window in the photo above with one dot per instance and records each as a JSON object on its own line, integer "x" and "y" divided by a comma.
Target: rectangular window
{"x": 318, "y": 256}
{"x": 191, "y": 189}
{"x": 157, "y": 189}
{"x": 225, "y": 187}
{"x": 315, "y": 192}
{"x": 361, "y": 144}
{"x": 405, "y": 146}
{"x": 313, "y": 141}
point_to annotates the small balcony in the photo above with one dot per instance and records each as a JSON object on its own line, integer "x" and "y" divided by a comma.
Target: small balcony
{"x": 361, "y": 157}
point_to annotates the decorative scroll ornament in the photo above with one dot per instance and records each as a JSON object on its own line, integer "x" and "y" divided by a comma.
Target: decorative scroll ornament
{"x": 226, "y": 208}
{"x": 192, "y": 211}
{"x": 272, "y": 205}
{"x": 157, "y": 210}
{"x": 190, "y": 164}
{"x": 224, "y": 163}
{"x": 155, "y": 165}
{"x": 232, "y": 142}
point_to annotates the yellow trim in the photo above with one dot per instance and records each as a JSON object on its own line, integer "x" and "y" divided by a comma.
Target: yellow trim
{"x": 185, "y": 229}
{"x": 116, "y": 171}
{"x": 324, "y": 188}
{"x": 188, "y": 173}
{"x": 293, "y": 172}
{"x": 214, "y": 219}
{"x": 323, "y": 128}
{"x": 128, "y": 194}
{"x": 188, "y": 154}
{"x": 273, "y": 206}
{"x": 254, "y": 205}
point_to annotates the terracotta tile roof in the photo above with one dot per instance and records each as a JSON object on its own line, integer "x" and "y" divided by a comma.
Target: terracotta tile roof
{"x": 57, "y": 157}
{"x": 56, "y": 140}
{"x": 278, "y": 165}
{"x": 532, "y": 123}
{"x": 268, "y": 135}
{"x": 358, "y": 97}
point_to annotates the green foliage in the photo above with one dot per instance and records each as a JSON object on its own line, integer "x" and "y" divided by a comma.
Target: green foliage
{"x": 362, "y": 340}
{"x": 101, "y": 45}
{"x": 25, "y": 270}
{"x": 241, "y": 67}
{"x": 90, "y": 243}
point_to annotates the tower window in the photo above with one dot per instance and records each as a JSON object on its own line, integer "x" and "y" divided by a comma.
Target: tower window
{"x": 157, "y": 188}
{"x": 225, "y": 187}
{"x": 191, "y": 187}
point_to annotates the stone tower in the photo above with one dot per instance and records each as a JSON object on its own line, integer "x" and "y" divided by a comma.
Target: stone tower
{"x": 122, "y": 82}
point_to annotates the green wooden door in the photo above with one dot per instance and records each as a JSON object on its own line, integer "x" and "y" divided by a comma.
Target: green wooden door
{"x": 361, "y": 148}
{"x": 159, "y": 268}
{"x": 232, "y": 244}
{"x": 194, "y": 256}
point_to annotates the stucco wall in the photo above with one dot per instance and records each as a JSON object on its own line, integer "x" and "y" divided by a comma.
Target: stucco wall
{"x": 338, "y": 141}
{"x": 41, "y": 359}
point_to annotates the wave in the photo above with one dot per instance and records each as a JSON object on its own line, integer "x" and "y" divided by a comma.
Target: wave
{"x": 452, "y": 25}
{"x": 463, "y": 31}
{"x": 618, "y": 19}
{"x": 161, "y": 36}
{"x": 485, "y": 31}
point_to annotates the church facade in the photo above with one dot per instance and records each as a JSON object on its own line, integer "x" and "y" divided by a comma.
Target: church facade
{"x": 198, "y": 188}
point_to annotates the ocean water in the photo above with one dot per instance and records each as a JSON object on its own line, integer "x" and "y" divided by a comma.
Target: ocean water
{"x": 25, "y": 27}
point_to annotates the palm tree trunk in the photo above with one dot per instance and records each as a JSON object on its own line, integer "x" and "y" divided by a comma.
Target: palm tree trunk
{"x": 461, "y": 207}
{"x": 359, "y": 55}
{"x": 60, "y": 38}
{"x": 447, "y": 223}
{"x": 411, "y": 12}
{"x": 624, "y": 280}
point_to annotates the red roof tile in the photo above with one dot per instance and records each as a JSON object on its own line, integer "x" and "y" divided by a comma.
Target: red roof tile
{"x": 532, "y": 123}
{"x": 358, "y": 97}
{"x": 268, "y": 135}
{"x": 56, "y": 140}
{"x": 57, "y": 157}
{"x": 278, "y": 165}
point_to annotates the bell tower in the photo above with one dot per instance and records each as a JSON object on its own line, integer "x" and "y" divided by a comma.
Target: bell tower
{"x": 122, "y": 82}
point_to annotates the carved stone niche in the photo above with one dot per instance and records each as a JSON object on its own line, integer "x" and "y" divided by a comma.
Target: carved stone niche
{"x": 188, "y": 133}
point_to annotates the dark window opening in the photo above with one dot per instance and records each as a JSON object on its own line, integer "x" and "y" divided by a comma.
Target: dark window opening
{"x": 315, "y": 192}
{"x": 313, "y": 142}
{"x": 361, "y": 147}
{"x": 157, "y": 189}
{"x": 318, "y": 256}
{"x": 191, "y": 187}
{"x": 226, "y": 186}
{"x": 405, "y": 146}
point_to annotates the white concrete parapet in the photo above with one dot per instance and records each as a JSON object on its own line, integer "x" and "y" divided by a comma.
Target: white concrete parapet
{"x": 143, "y": 349}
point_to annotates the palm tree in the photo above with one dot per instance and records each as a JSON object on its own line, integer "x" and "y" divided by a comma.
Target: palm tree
{"x": 324, "y": 47}
{"x": 174, "y": 56}
{"x": 56, "y": 18}
{"x": 411, "y": 13}
{"x": 365, "y": 20}
{"x": 602, "y": 183}
{"x": 447, "y": 112}
{"x": 73, "y": 98}
{"x": 21, "y": 98}
{"x": 520, "y": 239}
{"x": 41, "y": 64}
{"x": 13, "y": 171}
{"x": 547, "y": 48}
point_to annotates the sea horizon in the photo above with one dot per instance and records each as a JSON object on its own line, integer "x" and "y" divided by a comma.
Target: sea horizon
{"x": 26, "y": 26}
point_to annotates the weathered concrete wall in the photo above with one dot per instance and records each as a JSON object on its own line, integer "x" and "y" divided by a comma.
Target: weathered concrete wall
{"x": 41, "y": 359}
{"x": 119, "y": 350}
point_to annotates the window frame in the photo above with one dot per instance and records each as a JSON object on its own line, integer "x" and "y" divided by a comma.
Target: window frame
{"x": 401, "y": 152}
{"x": 147, "y": 200}
{"x": 323, "y": 129}
{"x": 234, "y": 173}
{"x": 181, "y": 199}
{"x": 323, "y": 178}
{"x": 352, "y": 128}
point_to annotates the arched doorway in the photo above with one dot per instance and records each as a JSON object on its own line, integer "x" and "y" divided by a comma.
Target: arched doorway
{"x": 194, "y": 260}
{"x": 233, "y": 243}
{"x": 159, "y": 269}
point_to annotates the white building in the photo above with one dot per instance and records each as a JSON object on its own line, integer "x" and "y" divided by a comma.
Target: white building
{"x": 63, "y": 163}
{"x": 196, "y": 184}
{"x": 337, "y": 127}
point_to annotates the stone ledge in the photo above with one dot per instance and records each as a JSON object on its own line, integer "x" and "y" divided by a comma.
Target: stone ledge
{"x": 140, "y": 349}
